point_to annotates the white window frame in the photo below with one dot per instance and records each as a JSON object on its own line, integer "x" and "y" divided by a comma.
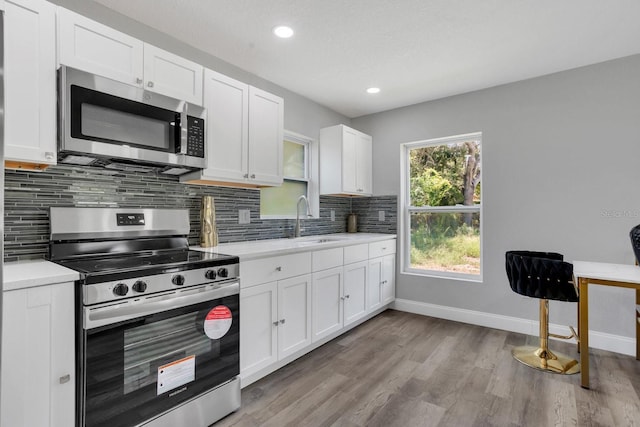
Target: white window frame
{"x": 311, "y": 169}
{"x": 406, "y": 210}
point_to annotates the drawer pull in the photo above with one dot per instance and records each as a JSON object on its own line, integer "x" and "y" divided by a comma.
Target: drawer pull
{"x": 65, "y": 379}
{"x": 278, "y": 268}
{"x": 282, "y": 321}
{"x": 275, "y": 323}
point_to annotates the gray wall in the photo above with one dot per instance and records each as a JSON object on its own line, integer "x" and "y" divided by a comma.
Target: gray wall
{"x": 560, "y": 173}
{"x": 300, "y": 114}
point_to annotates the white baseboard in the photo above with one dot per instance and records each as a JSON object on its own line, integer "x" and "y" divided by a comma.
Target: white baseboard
{"x": 600, "y": 340}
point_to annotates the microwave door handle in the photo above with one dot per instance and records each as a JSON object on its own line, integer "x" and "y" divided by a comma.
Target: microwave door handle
{"x": 184, "y": 131}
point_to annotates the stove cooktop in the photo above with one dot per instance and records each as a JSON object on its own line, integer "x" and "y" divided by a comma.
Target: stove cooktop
{"x": 94, "y": 269}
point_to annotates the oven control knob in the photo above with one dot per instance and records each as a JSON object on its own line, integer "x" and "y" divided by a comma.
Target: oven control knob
{"x": 140, "y": 286}
{"x": 223, "y": 272}
{"x": 178, "y": 280}
{"x": 120, "y": 289}
{"x": 210, "y": 274}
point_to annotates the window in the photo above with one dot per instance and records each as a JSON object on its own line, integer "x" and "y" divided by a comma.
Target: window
{"x": 442, "y": 203}
{"x": 280, "y": 202}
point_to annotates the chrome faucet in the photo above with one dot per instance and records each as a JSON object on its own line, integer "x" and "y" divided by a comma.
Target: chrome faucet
{"x": 296, "y": 231}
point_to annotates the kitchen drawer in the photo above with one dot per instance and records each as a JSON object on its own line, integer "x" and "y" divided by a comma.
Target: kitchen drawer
{"x": 265, "y": 270}
{"x": 327, "y": 258}
{"x": 356, "y": 253}
{"x": 385, "y": 247}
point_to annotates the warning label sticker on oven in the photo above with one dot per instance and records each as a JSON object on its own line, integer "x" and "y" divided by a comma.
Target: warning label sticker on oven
{"x": 218, "y": 322}
{"x": 177, "y": 373}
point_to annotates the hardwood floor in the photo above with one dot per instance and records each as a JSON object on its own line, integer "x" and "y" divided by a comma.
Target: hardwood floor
{"x": 401, "y": 369}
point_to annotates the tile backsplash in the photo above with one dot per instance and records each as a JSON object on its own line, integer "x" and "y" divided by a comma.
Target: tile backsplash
{"x": 28, "y": 196}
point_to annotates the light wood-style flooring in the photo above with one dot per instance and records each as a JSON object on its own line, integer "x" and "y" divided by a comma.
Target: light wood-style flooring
{"x": 402, "y": 369}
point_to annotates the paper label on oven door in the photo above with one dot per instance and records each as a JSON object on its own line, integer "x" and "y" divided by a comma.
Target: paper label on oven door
{"x": 175, "y": 374}
{"x": 218, "y": 322}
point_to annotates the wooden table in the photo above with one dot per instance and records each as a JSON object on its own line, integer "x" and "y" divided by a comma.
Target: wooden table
{"x": 599, "y": 273}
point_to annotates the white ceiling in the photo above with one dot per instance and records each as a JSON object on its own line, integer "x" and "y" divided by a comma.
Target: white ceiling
{"x": 414, "y": 50}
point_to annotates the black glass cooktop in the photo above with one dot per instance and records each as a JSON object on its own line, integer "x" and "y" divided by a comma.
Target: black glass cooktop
{"x": 114, "y": 267}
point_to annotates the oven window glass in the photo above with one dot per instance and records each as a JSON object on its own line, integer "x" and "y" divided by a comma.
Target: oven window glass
{"x": 173, "y": 343}
{"x": 140, "y": 368}
{"x": 104, "y": 123}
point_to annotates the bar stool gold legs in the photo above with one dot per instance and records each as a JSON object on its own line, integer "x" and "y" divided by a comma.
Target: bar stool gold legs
{"x": 541, "y": 357}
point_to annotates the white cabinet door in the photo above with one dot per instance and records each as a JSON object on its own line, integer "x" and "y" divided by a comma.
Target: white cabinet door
{"x": 227, "y": 104}
{"x": 172, "y": 75}
{"x": 374, "y": 295}
{"x": 355, "y": 291}
{"x": 30, "y": 82}
{"x": 351, "y": 151}
{"x": 244, "y": 134}
{"x": 388, "y": 285}
{"x": 90, "y": 46}
{"x": 327, "y": 302}
{"x": 350, "y": 154}
{"x": 294, "y": 315}
{"x": 266, "y": 113}
{"x": 364, "y": 161}
{"x": 38, "y": 354}
{"x": 258, "y": 328}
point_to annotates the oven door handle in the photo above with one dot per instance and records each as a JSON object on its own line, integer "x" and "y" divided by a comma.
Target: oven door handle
{"x": 94, "y": 317}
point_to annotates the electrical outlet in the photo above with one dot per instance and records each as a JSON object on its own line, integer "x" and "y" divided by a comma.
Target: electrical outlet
{"x": 333, "y": 215}
{"x": 244, "y": 216}
{"x": 380, "y": 215}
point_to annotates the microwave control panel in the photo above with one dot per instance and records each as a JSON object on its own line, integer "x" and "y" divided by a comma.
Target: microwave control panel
{"x": 195, "y": 136}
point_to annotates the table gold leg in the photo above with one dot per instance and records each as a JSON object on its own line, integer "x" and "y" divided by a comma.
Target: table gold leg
{"x": 584, "y": 333}
{"x": 637, "y": 321}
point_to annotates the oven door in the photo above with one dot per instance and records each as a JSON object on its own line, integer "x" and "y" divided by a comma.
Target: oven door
{"x": 143, "y": 357}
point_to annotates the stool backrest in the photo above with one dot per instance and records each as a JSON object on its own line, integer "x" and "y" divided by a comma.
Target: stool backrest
{"x": 634, "y": 234}
{"x": 540, "y": 275}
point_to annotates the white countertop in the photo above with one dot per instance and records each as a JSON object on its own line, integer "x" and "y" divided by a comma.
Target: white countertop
{"x": 604, "y": 271}
{"x": 265, "y": 248}
{"x": 28, "y": 274}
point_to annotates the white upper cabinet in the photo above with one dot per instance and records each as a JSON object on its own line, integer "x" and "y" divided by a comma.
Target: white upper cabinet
{"x": 90, "y": 46}
{"x": 30, "y": 84}
{"x": 172, "y": 75}
{"x": 244, "y": 135}
{"x": 266, "y": 113}
{"x": 345, "y": 161}
{"x": 96, "y": 48}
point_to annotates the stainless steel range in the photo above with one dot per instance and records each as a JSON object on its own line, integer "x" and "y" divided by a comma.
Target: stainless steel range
{"x": 157, "y": 324}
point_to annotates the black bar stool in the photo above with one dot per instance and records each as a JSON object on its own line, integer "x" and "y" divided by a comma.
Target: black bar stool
{"x": 543, "y": 275}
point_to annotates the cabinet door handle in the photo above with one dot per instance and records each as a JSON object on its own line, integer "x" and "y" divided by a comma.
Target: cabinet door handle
{"x": 282, "y": 321}
{"x": 346, "y": 296}
{"x": 138, "y": 80}
{"x": 65, "y": 379}
{"x": 246, "y": 175}
{"x": 275, "y": 323}
{"x": 150, "y": 84}
{"x": 342, "y": 298}
{"x": 278, "y": 268}
{"x": 48, "y": 155}
{"x": 253, "y": 176}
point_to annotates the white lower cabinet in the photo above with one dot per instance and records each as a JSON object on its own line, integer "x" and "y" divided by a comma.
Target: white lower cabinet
{"x": 381, "y": 287}
{"x": 291, "y": 304}
{"x": 327, "y": 302}
{"x": 294, "y": 315}
{"x": 38, "y": 357}
{"x": 258, "y": 335}
{"x": 275, "y": 322}
{"x": 355, "y": 291}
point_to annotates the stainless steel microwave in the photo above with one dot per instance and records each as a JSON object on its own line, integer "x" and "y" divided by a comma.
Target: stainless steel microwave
{"x": 102, "y": 119}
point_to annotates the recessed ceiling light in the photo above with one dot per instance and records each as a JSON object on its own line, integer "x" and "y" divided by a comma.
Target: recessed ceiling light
{"x": 373, "y": 90}
{"x": 283, "y": 31}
